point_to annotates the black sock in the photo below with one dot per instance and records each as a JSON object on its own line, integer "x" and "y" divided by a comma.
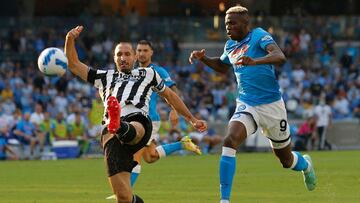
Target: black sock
{"x": 137, "y": 199}
{"x": 126, "y": 133}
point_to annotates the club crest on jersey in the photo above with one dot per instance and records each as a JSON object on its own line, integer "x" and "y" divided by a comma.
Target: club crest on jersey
{"x": 239, "y": 52}
{"x": 241, "y": 107}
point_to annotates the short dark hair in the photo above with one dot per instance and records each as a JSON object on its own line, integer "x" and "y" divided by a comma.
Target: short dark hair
{"x": 145, "y": 42}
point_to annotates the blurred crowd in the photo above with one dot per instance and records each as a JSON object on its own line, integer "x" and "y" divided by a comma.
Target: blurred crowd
{"x": 316, "y": 70}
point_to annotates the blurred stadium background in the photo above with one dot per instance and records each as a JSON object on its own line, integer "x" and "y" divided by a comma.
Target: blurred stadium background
{"x": 320, "y": 39}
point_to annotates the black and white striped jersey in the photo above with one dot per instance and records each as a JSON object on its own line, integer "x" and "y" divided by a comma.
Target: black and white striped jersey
{"x": 129, "y": 88}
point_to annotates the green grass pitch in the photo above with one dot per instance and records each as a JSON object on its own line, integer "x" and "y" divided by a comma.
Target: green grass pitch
{"x": 185, "y": 179}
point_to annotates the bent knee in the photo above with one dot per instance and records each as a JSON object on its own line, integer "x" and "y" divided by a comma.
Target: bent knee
{"x": 233, "y": 140}
{"x": 151, "y": 157}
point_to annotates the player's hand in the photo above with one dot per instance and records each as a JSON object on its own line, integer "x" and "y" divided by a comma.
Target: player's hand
{"x": 199, "y": 125}
{"x": 174, "y": 118}
{"x": 196, "y": 54}
{"x": 75, "y": 32}
{"x": 245, "y": 60}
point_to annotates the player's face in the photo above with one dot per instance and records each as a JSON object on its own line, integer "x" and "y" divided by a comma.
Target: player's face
{"x": 144, "y": 53}
{"x": 124, "y": 57}
{"x": 236, "y": 26}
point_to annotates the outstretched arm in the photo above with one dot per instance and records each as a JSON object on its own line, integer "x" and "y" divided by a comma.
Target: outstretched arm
{"x": 274, "y": 56}
{"x": 213, "y": 62}
{"x": 175, "y": 101}
{"x": 75, "y": 65}
{"x": 173, "y": 116}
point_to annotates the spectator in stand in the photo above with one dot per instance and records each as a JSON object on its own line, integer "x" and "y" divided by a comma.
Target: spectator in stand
{"x": 37, "y": 116}
{"x": 59, "y": 128}
{"x": 5, "y": 150}
{"x": 27, "y": 135}
{"x": 324, "y": 117}
{"x": 77, "y": 131}
{"x": 45, "y": 127}
{"x": 95, "y": 116}
{"x": 306, "y": 133}
{"x": 341, "y": 107}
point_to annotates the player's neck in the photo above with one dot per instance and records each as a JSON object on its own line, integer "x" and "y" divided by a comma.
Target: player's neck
{"x": 244, "y": 35}
{"x": 145, "y": 64}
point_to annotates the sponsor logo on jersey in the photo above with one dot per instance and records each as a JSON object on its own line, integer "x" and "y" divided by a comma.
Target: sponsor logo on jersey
{"x": 238, "y": 53}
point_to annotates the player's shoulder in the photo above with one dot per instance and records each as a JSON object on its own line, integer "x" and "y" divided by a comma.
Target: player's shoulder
{"x": 259, "y": 30}
{"x": 262, "y": 34}
{"x": 160, "y": 70}
{"x": 157, "y": 68}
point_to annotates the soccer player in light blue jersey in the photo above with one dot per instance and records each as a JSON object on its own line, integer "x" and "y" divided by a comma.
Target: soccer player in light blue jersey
{"x": 252, "y": 55}
{"x": 151, "y": 152}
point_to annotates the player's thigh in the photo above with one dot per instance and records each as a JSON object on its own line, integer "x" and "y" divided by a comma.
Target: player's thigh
{"x": 120, "y": 184}
{"x": 246, "y": 115}
{"x": 243, "y": 123}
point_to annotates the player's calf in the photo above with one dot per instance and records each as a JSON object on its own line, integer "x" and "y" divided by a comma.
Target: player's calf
{"x": 287, "y": 162}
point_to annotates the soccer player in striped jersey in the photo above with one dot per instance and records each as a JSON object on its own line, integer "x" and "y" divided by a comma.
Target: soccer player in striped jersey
{"x": 126, "y": 94}
{"x": 151, "y": 152}
{"x": 252, "y": 55}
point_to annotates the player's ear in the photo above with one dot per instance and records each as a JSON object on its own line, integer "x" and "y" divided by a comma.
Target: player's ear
{"x": 136, "y": 56}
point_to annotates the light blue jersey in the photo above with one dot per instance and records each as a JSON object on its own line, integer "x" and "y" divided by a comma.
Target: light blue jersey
{"x": 256, "y": 84}
{"x": 153, "y": 114}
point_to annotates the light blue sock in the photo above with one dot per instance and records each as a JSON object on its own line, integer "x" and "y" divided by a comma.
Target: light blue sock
{"x": 299, "y": 164}
{"x": 167, "y": 149}
{"x": 227, "y": 171}
{"x": 134, "y": 174}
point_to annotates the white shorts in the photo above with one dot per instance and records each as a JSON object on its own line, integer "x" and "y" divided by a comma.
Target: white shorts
{"x": 272, "y": 118}
{"x": 155, "y": 132}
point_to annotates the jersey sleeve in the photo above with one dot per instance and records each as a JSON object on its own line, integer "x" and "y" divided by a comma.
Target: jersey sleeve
{"x": 265, "y": 39}
{"x": 166, "y": 77}
{"x": 95, "y": 77}
{"x": 225, "y": 57}
{"x": 159, "y": 84}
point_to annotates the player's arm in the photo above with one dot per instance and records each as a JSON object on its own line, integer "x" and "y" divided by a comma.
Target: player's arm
{"x": 173, "y": 115}
{"x": 174, "y": 100}
{"x": 75, "y": 65}
{"x": 213, "y": 62}
{"x": 275, "y": 56}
